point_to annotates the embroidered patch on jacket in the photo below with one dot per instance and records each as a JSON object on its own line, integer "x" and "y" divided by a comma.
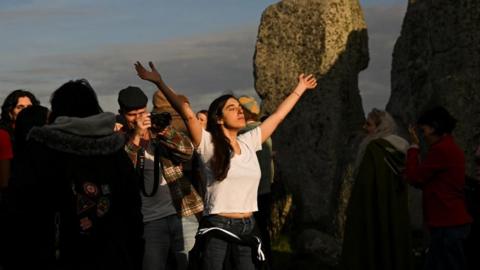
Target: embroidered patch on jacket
{"x": 90, "y": 189}
{"x": 94, "y": 199}
{"x": 105, "y": 189}
{"x": 84, "y": 203}
{"x": 103, "y": 205}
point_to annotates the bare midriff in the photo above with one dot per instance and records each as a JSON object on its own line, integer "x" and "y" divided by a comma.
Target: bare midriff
{"x": 236, "y": 215}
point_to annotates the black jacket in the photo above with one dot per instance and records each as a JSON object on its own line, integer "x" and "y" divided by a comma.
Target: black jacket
{"x": 74, "y": 172}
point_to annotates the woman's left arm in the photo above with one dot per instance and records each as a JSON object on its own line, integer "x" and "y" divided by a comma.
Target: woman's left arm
{"x": 271, "y": 123}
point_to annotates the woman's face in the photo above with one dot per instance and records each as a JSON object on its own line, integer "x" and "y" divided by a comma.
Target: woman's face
{"x": 428, "y": 133}
{"x": 22, "y": 103}
{"x": 370, "y": 126}
{"x": 233, "y": 117}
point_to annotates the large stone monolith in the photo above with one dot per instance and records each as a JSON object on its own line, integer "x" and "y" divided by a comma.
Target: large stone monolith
{"x": 436, "y": 61}
{"x": 317, "y": 140}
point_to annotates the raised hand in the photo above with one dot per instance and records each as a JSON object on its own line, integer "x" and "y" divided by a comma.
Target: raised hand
{"x": 307, "y": 81}
{"x": 144, "y": 74}
{"x": 142, "y": 124}
{"x": 413, "y": 135}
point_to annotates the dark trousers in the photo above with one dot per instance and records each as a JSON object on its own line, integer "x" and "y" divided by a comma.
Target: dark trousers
{"x": 446, "y": 248}
{"x": 473, "y": 245}
{"x": 216, "y": 249}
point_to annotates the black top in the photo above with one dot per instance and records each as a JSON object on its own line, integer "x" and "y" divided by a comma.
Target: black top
{"x": 75, "y": 209}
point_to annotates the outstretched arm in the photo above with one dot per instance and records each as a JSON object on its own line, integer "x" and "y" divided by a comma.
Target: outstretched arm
{"x": 179, "y": 103}
{"x": 271, "y": 123}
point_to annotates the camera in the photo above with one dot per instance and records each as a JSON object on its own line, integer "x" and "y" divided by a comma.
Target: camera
{"x": 160, "y": 121}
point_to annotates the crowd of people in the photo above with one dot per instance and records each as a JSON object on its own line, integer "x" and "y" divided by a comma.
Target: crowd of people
{"x": 167, "y": 189}
{"x": 178, "y": 189}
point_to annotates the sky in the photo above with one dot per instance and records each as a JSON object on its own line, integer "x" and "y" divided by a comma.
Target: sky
{"x": 202, "y": 48}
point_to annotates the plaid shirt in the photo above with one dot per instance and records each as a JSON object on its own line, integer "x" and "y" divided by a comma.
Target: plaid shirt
{"x": 179, "y": 149}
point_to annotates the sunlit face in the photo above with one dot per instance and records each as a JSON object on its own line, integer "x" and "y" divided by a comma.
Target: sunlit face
{"x": 369, "y": 126}
{"x": 22, "y": 103}
{"x": 132, "y": 116}
{"x": 233, "y": 117}
{"x": 203, "y": 120}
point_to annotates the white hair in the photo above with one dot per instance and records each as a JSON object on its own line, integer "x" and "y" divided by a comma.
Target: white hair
{"x": 385, "y": 126}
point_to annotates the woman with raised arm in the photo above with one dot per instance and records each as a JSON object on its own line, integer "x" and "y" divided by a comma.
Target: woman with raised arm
{"x": 230, "y": 165}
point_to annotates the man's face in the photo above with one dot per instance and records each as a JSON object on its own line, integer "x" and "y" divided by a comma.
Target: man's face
{"x": 22, "y": 103}
{"x": 132, "y": 116}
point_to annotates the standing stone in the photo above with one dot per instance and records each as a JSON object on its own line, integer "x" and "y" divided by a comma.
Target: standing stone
{"x": 317, "y": 140}
{"x": 436, "y": 61}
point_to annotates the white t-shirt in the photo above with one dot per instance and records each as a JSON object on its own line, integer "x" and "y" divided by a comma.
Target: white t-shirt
{"x": 237, "y": 193}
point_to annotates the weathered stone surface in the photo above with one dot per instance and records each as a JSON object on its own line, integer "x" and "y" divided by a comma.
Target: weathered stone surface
{"x": 436, "y": 61}
{"x": 315, "y": 242}
{"x": 316, "y": 141}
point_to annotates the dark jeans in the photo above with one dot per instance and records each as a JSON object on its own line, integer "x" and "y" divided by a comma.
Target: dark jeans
{"x": 446, "y": 248}
{"x": 216, "y": 249}
{"x": 169, "y": 234}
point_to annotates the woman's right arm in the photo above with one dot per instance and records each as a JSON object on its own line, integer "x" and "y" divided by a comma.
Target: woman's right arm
{"x": 179, "y": 103}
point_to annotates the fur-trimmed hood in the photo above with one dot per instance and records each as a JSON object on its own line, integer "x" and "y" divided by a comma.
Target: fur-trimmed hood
{"x": 87, "y": 136}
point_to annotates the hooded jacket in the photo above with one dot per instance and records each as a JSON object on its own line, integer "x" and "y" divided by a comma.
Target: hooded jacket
{"x": 75, "y": 199}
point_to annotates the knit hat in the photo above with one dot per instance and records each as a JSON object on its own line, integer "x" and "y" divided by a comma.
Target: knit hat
{"x": 250, "y": 104}
{"x": 132, "y": 98}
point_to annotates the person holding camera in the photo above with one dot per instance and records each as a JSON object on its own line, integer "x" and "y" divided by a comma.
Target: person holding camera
{"x": 169, "y": 201}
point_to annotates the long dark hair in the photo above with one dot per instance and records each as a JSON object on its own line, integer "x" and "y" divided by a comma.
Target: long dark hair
{"x": 74, "y": 99}
{"x": 9, "y": 104}
{"x": 222, "y": 150}
{"x": 32, "y": 116}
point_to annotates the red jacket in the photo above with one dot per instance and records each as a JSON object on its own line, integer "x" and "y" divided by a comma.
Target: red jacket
{"x": 441, "y": 176}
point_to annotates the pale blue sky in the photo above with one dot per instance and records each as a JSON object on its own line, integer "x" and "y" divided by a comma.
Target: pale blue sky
{"x": 202, "y": 47}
